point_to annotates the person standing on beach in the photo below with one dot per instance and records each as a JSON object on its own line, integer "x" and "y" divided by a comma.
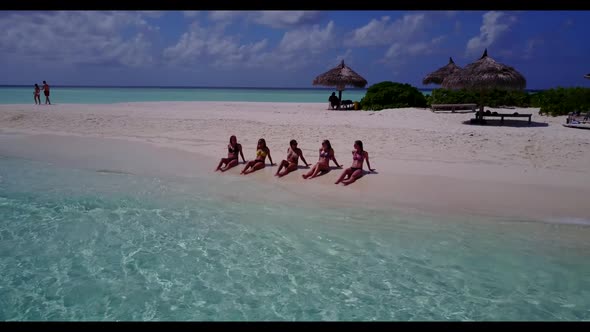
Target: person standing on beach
{"x": 233, "y": 149}
{"x": 293, "y": 154}
{"x": 323, "y": 164}
{"x": 46, "y": 92}
{"x": 261, "y": 152}
{"x": 355, "y": 172}
{"x": 36, "y": 94}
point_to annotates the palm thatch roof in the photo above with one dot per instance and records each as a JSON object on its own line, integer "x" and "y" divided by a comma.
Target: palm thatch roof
{"x": 440, "y": 74}
{"x": 486, "y": 74}
{"x": 340, "y": 76}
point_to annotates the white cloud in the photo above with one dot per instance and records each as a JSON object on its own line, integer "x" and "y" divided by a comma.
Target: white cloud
{"x": 270, "y": 18}
{"x": 77, "y": 37}
{"x": 211, "y": 45}
{"x": 314, "y": 39}
{"x": 200, "y": 45}
{"x": 285, "y": 19}
{"x": 152, "y": 13}
{"x": 190, "y": 13}
{"x": 224, "y": 15}
{"x": 495, "y": 24}
{"x": 380, "y": 32}
{"x": 417, "y": 48}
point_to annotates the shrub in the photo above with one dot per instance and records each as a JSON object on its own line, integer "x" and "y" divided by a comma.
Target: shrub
{"x": 561, "y": 101}
{"x": 492, "y": 98}
{"x": 392, "y": 95}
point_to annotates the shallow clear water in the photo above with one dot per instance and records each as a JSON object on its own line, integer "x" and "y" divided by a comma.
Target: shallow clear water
{"x": 86, "y": 245}
{"x": 106, "y": 95}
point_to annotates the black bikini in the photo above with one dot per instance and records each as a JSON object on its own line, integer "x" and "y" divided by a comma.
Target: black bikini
{"x": 231, "y": 150}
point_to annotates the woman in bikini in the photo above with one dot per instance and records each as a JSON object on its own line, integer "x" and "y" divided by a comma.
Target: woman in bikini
{"x": 36, "y": 95}
{"x": 293, "y": 154}
{"x": 355, "y": 172}
{"x": 233, "y": 149}
{"x": 261, "y": 152}
{"x": 323, "y": 164}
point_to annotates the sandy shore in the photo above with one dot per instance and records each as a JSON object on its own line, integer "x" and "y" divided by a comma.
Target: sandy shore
{"x": 424, "y": 161}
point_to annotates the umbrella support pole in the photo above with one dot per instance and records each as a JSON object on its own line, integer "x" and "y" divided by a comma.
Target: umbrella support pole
{"x": 479, "y": 115}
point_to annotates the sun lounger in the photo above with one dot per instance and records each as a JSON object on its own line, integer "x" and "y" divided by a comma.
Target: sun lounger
{"x": 452, "y": 107}
{"x": 347, "y": 105}
{"x": 577, "y": 118}
{"x": 489, "y": 114}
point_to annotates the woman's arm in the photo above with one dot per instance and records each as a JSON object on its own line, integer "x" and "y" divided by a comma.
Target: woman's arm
{"x": 241, "y": 153}
{"x": 334, "y": 159}
{"x": 269, "y": 157}
{"x": 368, "y": 163}
{"x": 302, "y": 158}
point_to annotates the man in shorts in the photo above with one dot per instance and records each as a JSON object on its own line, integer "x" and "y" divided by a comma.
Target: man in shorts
{"x": 46, "y": 92}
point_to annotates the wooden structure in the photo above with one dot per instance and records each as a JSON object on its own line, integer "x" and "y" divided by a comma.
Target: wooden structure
{"x": 340, "y": 77}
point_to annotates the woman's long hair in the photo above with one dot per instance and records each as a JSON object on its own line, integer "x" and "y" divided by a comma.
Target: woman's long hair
{"x": 263, "y": 142}
{"x": 327, "y": 144}
{"x": 233, "y": 137}
{"x": 360, "y": 145}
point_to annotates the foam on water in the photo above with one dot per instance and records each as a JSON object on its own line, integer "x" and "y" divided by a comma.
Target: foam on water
{"x": 86, "y": 245}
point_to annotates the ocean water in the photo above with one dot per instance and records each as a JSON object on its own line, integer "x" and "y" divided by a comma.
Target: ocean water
{"x": 80, "y": 244}
{"x": 106, "y": 95}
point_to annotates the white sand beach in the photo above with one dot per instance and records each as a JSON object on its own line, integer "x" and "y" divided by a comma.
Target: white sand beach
{"x": 425, "y": 161}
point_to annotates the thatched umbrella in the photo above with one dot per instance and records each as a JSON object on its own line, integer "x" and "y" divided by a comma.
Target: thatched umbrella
{"x": 485, "y": 74}
{"x": 339, "y": 77}
{"x": 440, "y": 74}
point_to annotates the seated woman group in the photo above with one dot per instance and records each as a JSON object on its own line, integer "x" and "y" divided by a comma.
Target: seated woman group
{"x": 326, "y": 154}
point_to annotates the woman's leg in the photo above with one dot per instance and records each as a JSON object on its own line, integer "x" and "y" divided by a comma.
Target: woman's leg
{"x": 345, "y": 173}
{"x": 290, "y": 168}
{"x": 308, "y": 174}
{"x": 248, "y": 165}
{"x": 232, "y": 163}
{"x": 221, "y": 162}
{"x": 283, "y": 163}
{"x": 255, "y": 167}
{"x": 320, "y": 168}
{"x": 353, "y": 177}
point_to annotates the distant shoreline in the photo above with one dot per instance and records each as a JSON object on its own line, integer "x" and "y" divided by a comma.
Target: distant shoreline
{"x": 183, "y": 87}
{"x": 211, "y": 87}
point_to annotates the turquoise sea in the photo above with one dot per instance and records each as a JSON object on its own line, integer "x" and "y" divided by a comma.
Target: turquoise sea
{"x": 109, "y": 95}
{"x": 82, "y": 244}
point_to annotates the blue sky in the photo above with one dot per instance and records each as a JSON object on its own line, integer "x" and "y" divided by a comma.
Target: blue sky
{"x": 285, "y": 49}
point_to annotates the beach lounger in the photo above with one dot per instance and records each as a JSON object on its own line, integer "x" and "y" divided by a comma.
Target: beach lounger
{"x": 502, "y": 116}
{"x": 577, "y": 118}
{"x": 347, "y": 105}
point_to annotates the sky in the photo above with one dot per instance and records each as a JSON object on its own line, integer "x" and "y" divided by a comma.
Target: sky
{"x": 284, "y": 48}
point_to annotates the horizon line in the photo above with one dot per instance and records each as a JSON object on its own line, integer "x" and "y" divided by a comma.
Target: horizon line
{"x": 208, "y": 87}
{"x": 175, "y": 87}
